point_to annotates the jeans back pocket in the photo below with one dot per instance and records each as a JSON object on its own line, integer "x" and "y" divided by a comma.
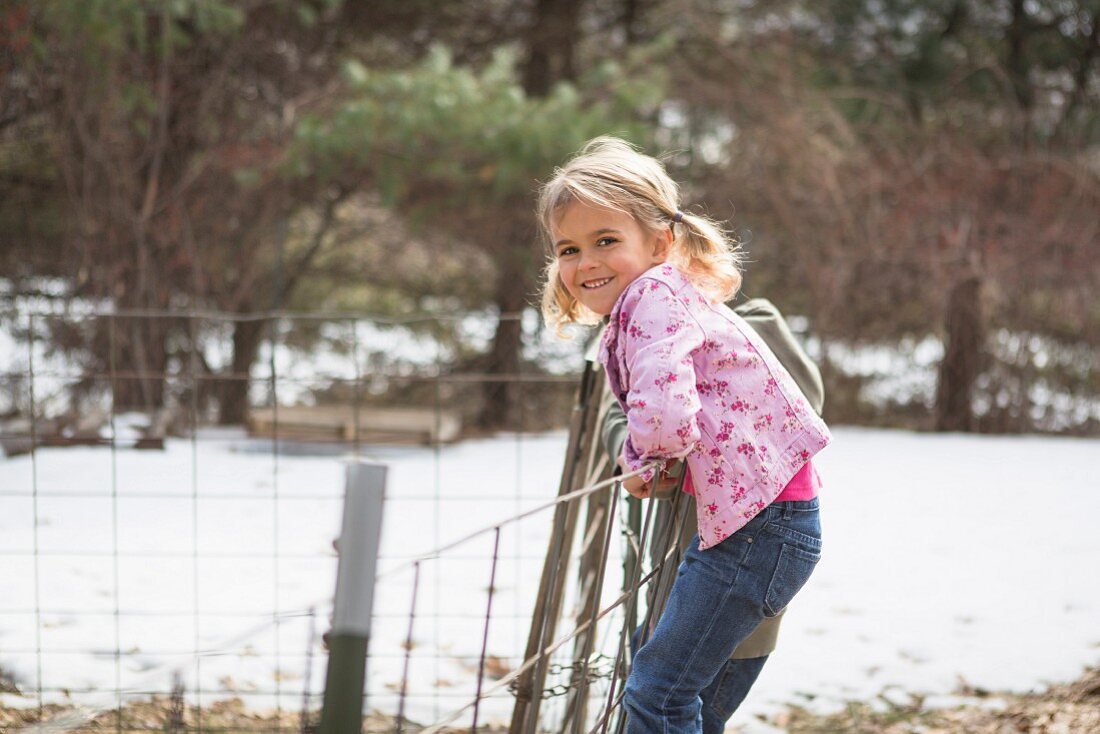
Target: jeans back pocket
{"x": 792, "y": 571}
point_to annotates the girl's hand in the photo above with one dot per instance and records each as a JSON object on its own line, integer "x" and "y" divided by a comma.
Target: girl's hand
{"x": 636, "y": 486}
{"x": 666, "y": 485}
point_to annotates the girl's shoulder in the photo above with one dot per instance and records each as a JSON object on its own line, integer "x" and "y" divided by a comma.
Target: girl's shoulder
{"x": 667, "y": 273}
{"x": 657, "y": 281}
{"x": 661, "y": 301}
{"x": 649, "y": 290}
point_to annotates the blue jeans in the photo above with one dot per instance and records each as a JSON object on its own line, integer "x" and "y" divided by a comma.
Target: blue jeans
{"x": 720, "y": 595}
{"x": 726, "y": 692}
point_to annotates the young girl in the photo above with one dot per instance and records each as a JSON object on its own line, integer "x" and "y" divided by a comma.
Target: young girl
{"x": 698, "y": 384}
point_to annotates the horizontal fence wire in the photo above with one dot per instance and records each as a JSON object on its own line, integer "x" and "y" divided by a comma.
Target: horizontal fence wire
{"x": 75, "y": 313}
{"x": 458, "y": 378}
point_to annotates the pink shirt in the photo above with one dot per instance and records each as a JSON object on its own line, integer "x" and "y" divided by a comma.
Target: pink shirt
{"x": 803, "y": 486}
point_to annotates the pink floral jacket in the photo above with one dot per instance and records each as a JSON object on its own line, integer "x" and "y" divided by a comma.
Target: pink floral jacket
{"x": 696, "y": 381}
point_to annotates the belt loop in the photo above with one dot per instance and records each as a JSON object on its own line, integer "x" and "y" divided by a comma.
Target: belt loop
{"x": 788, "y": 513}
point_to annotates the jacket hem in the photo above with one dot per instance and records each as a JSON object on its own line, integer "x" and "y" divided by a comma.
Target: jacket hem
{"x": 764, "y": 491}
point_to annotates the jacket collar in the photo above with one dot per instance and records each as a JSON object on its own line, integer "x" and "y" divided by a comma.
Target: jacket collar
{"x": 662, "y": 272}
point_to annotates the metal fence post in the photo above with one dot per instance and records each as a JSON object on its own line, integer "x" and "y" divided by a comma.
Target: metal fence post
{"x": 360, "y": 533}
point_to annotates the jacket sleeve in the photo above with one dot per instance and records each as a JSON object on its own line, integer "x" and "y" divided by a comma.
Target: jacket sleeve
{"x": 612, "y": 425}
{"x": 659, "y": 337}
{"x": 611, "y": 419}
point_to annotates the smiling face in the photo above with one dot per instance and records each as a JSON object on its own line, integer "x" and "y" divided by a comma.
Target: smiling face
{"x": 600, "y": 251}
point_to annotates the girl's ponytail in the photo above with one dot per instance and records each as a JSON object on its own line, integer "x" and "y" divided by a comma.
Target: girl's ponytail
{"x": 709, "y": 257}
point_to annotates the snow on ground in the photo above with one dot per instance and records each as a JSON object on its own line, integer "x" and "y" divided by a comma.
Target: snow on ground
{"x": 946, "y": 557}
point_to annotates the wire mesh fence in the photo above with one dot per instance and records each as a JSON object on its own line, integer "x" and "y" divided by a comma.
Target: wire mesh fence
{"x": 205, "y": 564}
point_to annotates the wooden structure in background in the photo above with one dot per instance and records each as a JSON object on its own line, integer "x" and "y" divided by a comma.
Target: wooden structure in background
{"x": 365, "y": 424}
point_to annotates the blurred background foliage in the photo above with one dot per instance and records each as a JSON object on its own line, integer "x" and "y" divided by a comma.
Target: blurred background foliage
{"x": 916, "y": 183}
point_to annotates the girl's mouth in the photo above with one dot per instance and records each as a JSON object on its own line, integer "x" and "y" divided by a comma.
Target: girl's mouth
{"x": 592, "y": 284}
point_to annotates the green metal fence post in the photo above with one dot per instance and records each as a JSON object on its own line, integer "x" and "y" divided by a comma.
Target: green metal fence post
{"x": 345, "y": 680}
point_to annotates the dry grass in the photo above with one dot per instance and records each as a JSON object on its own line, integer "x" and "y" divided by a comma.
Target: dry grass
{"x": 1072, "y": 708}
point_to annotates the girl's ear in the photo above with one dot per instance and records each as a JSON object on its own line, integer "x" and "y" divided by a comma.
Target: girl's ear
{"x": 662, "y": 247}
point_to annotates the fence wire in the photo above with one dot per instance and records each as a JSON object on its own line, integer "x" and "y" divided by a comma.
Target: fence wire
{"x": 447, "y": 660}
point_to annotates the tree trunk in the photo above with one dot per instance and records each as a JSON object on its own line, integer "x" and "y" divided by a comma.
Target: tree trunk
{"x": 962, "y": 360}
{"x": 501, "y": 396}
{"x": 139, "y": 363}
{"x": 551, "y": 41}
{"x": 1019, "y": 66}
{"x": 233, "y": 389}
{"x": 138, "y": 344}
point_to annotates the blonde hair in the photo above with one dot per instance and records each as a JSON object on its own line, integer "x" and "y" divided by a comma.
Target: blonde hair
{"x": 610, "y": 172}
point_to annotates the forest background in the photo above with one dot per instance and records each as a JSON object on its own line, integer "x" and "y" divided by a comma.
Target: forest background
{"x": 916, "y": 183}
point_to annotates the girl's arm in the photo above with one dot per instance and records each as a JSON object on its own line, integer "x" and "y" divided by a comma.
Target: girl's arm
{"x": 659, "y": 337}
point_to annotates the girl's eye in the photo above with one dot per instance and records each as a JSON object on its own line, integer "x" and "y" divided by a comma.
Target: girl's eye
{"x": 604, "y": 241}
{"x": 566, "y": 251}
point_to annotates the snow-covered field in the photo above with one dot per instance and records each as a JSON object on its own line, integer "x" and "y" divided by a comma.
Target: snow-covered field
{"x": 946, "y": 558}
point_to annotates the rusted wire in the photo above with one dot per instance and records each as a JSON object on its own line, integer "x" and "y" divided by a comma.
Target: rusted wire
{"x": 408, "y": 652}
{"x": 485, "y": 633}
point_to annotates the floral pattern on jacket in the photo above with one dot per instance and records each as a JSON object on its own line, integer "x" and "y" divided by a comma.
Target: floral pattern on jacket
{"x": 697, "y": 382}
